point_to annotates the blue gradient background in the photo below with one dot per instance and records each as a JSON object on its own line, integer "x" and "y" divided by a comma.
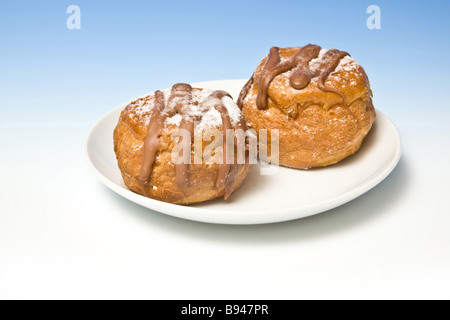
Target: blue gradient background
{"x": 50, "y": 74}
{"x": 63, "y": 235}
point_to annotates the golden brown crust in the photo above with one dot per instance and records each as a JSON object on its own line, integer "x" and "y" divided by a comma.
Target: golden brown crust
{"x": 316, "y": 128}
{"x": 129, "y": 136}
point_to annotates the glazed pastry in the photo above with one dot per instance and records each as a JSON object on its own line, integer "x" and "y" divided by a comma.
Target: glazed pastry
{"x": 319, "y": 100}
{"x": 148, "y": 132}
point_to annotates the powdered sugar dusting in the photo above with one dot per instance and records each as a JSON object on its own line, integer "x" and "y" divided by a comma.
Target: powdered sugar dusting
{"x": 141, "y": 109}
{"x": 347, "y": 64}
{"x": 166, "y": 93}
{"x": 175, "y": 120}
{"x": 251, "y": 95}
{"x": 315, "y": 64}
{"x": 211, "y": 119}
{"x": 233, "y": 110}
{"x": 201, "y": 107}
{"x": 201, "y": 95}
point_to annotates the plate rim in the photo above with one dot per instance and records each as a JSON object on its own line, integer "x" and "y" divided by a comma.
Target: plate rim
{"x": 235, "y": 217}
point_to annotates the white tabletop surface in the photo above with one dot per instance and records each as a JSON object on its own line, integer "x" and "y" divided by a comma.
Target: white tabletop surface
{"x": 65, "y": 235}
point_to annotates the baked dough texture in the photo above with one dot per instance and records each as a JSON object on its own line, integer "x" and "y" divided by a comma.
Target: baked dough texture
{"x": 316, "y": 127}
{"x": 202, "y": 184}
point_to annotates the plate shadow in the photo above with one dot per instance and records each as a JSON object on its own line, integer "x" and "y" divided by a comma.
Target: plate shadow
{"x": 364, "y": 209}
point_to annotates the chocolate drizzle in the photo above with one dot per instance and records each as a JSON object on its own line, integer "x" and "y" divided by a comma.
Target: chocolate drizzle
{"x": 335, "y": 57}
{"x": 300, "y": 78}
{"x": 151, "y": 142}
{"x": 244, "y": 92}
{"x": 180, "y": 97}
{"x": 224, "y": 168}
{"x": 178, "y": 103}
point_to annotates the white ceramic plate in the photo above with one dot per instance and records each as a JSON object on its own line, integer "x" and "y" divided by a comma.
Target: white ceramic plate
{"x": 289, "y": 194}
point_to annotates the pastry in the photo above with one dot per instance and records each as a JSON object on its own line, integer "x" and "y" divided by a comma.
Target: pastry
{"x": 319, "y": 100}
{"x": 147, "y": 136}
